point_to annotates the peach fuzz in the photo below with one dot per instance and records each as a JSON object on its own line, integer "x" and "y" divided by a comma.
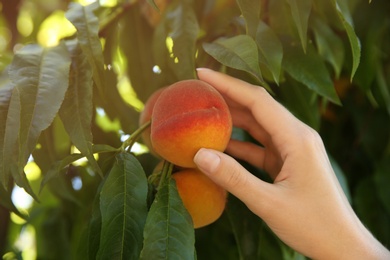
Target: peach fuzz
{"x": 146, "y": 115}
{"x": 204, "y": 200}
{"x": 187, "y": 116}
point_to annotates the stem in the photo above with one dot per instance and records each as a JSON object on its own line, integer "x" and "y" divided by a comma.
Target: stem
{"x": 165, "y": 173}
{"x": 134, "y": 136}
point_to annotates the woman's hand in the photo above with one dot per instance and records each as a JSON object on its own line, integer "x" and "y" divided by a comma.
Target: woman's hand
{"x": 305, "y": 206}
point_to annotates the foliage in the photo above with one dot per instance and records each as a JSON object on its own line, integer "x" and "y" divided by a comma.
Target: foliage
{"x": 79, "y": 96}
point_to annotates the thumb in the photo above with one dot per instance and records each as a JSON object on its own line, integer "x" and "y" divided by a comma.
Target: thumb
{"x": 229, "y": 174}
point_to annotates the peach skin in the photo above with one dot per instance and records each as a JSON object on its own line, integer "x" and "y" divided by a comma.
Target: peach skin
{"x": 187, "y": 116}
{"x": 204, "y": 200}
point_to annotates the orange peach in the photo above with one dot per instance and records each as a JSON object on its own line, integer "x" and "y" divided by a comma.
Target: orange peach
{"x": 204, "y": 200}
{"x": 187, "y": 116}
{"x": 146, "y": 115}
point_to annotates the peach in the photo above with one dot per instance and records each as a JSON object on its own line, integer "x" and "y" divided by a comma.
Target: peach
{"x": 204, "y": 200}
{"x": 146, "y": 115}
{"x": 187, "y": 116}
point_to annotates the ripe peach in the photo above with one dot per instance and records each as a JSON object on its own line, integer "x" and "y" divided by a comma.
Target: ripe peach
{"x": 204, "y": 200}
{"x": 146, "y": 115}
{"x": 187, "y": 116}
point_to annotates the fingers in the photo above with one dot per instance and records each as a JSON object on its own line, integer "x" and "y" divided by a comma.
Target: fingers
{"x": 272, "y": 116}
{"x": 229, "y": 174}
{"x": 248, "y": 152}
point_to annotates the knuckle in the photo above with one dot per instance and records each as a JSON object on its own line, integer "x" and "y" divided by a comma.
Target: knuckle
{"x": 235, "y": 177}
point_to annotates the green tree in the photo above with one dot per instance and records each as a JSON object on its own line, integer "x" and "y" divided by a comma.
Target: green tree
{"x": 74, "y": 77}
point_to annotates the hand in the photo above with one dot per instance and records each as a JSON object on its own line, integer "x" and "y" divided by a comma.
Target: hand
{"x": 305, "y": 205}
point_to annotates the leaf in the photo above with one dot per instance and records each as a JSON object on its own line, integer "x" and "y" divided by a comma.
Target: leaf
{"x": 76, "y": 109}
{"x": 369, "y": 209}
{"x": 246, "y": 227}
{"x": 239, "y": 52}
{"x": 301, "y": 66}
{"x": 5, "y": 96}
{"x": 329, "y": 45}
{"x": 382, "y": 182}
{"x": 340, "y": 177}
{"x": 270, "y": 48}
{"x": 123, "y": 209}
{"x": 138, "y": 53}
{"x": 346, "y": 19}
{"x": 40, "y": 78}
{"x": 94, "y": 225}
{"x": 87, "y": 25}
{"x": 183, "y": 29}
{"x": 57, "y": 166}
{"x": 6, "y": 201}
{"x": 169, "y": 232}
{"x": 250, "y": 10}
{"x": 302, "y": 102}
{"x": 300, "y": 10}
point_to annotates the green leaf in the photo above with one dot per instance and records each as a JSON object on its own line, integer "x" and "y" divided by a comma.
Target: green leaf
{"x": 300, "y": 10}
{"x": 340, "y": 177}
{"x": 250, "y": 10}
{"x": 271, "y": 49}
{"x": 40, "y": 78}
{"x": 239, "y": 52}
{"x": 57, "y": 166}
{"x": 135, "y": 41}
{"x": 246, "y": 227}
{"x": 346, "y": 19}
{"x": 123, "y": 209}
{"x": 183, "y": 29}
{"x": 94, "y": 225}
{"x": 302, "y": 102}
{"x": 329, "y": 45}
{"x": 5, "y": 201}
{"x": 169, "y": 232}
{"x": 300, "y": 66}
{"x": 76, "y": 109}
{"x": 5, "y": 96}
{"x": 87, "y": 25}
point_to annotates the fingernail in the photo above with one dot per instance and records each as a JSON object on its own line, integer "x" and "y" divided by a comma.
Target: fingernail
{"x": 207, "y": 160}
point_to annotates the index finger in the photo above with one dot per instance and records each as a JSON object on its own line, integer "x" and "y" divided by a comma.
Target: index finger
{"x": 272, "y": 116}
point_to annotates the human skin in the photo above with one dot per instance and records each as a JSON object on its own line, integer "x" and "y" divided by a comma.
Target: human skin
{"x": 204, "y": 200}
{"x": 188, "y": 115}
{"x": 305, "y": 205}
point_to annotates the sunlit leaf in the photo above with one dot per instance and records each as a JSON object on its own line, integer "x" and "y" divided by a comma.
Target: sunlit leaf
{"x": 329, "y": 45}
{"x": 239, "y": 52}
{"x": 300, "y": 66}
{"x": 5, "y": 201}
{"x": 57, "y": 166}
{"x": 250, "y": 10}
{"x": 123, "y": 209}
{"x": 169, "y": 232}
{"x": 183, "y": 28}
{"x": 138, "y": 53}
{"x": 300, "y": 10}
{"x": 270, "y": 48}
{"x": 87, "y": 25}
{"x": 40, "y": 78}
{"x": 76, "y": 109}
